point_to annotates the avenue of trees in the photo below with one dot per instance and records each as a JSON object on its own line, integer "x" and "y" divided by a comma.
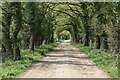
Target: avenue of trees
{"x": 27, "y": 25}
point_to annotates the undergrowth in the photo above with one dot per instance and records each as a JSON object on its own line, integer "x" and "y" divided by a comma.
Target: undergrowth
{"x": 108, "y": 62}
{"x": 10, "y": 69}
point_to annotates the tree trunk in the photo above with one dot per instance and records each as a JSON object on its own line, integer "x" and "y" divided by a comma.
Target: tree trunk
{"x": 97, "y": 46}
{"x": 118, "y": 41}
{"x": 105, "y": 43}
{"x": 8, "y": 44}
{"x": 18, "y": 24}
{"x": 81, "y": 40}
{"x": 58, "y": 37}
{"x": 75, "y": 34}
{"x": 46, "y": 42}
{"x": 31, "y": 46}
{"x": 25, "y": 43}
{"x": 86, "y": 39}
{"x": 6, "y": 22}
{"x": 40, "y": 41}
{"x": 16, "y": 48}
{"x": 3, "y": 48}
{"x": 52, "y": 37}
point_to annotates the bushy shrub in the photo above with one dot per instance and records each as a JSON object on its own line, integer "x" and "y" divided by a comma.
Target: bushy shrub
{"x": 42, "y": 51}
{"x": 48, "y": 47}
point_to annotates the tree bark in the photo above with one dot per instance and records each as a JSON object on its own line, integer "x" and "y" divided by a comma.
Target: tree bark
{"x": 75, "y": 34}
{"x": 86, "y": 38}
{"x": 6, "y": 32}
{"x": 98, "y": 44}
{"x": 81, "y": 40}
{"x": 31, "y": 46}
{"x": 86, "y": 41}
{"x": 16, "y": 48}
{"x": 25, "y": 43}
{"x": 8, "y": 43}
{"x": 105, "y": 41}
{"x": 52, "y": 37}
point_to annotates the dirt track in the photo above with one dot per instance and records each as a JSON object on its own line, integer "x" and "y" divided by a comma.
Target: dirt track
{"x": 65, "y": 61}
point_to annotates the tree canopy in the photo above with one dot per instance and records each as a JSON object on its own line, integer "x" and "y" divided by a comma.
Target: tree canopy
{"x": 27, "y": 25}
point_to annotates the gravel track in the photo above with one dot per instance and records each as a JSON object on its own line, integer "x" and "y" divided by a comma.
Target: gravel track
{"x": 65, "y": 61}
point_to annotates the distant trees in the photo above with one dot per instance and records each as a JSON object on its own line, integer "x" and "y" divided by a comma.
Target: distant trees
{"x": 65, "y": 35}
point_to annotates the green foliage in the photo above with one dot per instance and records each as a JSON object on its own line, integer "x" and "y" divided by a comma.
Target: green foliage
{"x": 42, "y": 51}
{"x": 65, "y": 35}
{"x": 13, "y": 68}
{"x": 56, "y": 43}
{"x": 108, "y": 62}
{"x": 45, "y": 48}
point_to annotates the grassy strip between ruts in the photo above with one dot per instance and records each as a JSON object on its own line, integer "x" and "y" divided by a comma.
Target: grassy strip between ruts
{"x": 108, "y": 62}
{"x": 10, "y": 69}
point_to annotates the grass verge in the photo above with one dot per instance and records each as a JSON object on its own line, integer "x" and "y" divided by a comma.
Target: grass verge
{"x": 108, "y": 62}
{"x": 10, "y": 69}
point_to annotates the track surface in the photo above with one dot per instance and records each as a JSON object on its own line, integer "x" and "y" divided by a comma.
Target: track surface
{"x": 65, "y": 61}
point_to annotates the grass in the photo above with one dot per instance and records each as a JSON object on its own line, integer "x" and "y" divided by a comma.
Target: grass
{"x": 10, "y": 69}
{"x": 108, "y": 62}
